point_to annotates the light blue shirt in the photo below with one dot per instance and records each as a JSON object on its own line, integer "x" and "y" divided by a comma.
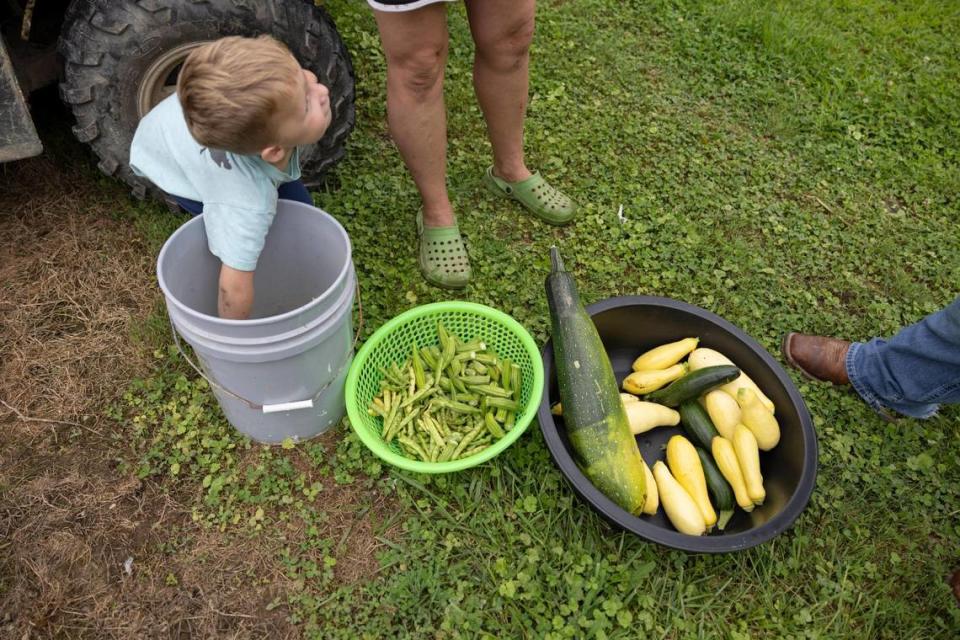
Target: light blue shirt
{"x": 238, "y": 192}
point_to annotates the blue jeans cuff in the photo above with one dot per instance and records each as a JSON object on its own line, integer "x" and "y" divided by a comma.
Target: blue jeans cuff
{"x": 882, "y": 407}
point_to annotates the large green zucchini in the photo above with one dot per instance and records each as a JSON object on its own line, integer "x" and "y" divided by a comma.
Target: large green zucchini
{"x": 596, "y": 423}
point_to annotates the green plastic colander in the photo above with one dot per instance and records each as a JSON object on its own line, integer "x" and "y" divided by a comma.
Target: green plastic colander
{"x": 392, "y": 343}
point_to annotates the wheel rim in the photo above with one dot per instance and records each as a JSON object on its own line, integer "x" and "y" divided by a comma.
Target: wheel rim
{"x": 160, "y": 79}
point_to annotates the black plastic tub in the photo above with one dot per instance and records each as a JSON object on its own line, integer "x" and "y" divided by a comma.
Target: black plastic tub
{"x": 631, "y": 325}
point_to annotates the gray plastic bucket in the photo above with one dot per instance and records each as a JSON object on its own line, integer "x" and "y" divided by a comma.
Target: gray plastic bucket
{"x": 279, "y": 374}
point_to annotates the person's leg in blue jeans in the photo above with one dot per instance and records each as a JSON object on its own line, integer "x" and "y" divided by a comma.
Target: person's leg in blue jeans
{"x": 295, "y": 191}
{"x": 912, "y": 373}
{"x": 288, "y": 191}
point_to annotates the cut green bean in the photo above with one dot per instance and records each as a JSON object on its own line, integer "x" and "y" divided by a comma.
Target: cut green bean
{"x": 427, "y": 358}
{"x": 397, "y": 424}
{"x": 414, "y": 447}
{"x": 502, "y": 403}
{"x": 473, "y": 345}
{"x": 420, "y": 377}
{"x": 390, "y": 377}
{"x": 505, "y": 378}
{"x": 428, "y": 426}
{"x": 515, "y": 382}
{"x": 490, "y": 390}
{"x": 449, "y": 400}
{"x": 492, "y": 426}
{"x": 472, "y": 451}
{"x": 419, "y": 395}
{"x": 410, "y": 417}
{"x": 441, "y": 427}
{"x": 449, "y": 351}
{"x": 459, "y": 407}
{"x": 442, "y": 334}
{"x": 448, "y": 452}
{"x": 390, "y": 418}
{"x": 467, "y": 439}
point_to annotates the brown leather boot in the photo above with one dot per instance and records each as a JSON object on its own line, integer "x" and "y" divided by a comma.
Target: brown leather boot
{"x": 817, "y": 357}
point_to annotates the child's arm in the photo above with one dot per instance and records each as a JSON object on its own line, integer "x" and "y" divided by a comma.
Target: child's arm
{"x": 236, "y": 293}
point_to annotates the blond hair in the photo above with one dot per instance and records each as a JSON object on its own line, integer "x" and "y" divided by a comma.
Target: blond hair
{"x": 232, "y": 89}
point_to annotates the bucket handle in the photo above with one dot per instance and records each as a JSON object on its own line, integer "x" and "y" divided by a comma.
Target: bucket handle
{"x": 279, "y": 406}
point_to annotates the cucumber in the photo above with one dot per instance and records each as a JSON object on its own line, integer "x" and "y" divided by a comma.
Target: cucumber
{"x": 703, "y": 357}
{"x": 593, "y": 412}
{"x": 694, "y": 384}
{"x": 697, "y": 424}
{"x": 718, "y": 488}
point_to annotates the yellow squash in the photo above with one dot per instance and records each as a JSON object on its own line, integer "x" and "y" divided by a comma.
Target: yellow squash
{"x": 653, "y": 499}
{"x": 666, "y": 355}
{"x": 756, "y": 417}
{"x": 627, "y": 399}
{"x": 723, "y": 410}
{"x": 703, "y": 357}
{"x": 726, "y": 459}
{"x": 680, "y": 508}
{"x": 644, "y": 382}
{"x": 685, "y": 466}
{"x": 644, "y": 416}
{"x": 748, "y": 455}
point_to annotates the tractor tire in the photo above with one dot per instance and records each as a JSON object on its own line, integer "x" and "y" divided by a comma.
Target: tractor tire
{"x": 122, "y": 58}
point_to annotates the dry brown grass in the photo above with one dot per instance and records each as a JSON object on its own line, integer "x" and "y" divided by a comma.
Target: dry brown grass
{"x": 75, "y": 282}
{"x": 72, "y": 282}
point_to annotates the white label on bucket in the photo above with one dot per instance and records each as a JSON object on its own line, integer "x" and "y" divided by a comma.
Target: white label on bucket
{"x": 287, "y": 406}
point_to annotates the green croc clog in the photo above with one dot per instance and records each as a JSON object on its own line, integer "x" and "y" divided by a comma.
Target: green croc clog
{"x": 442, "y": 255}
{"x": 534, "y": 193}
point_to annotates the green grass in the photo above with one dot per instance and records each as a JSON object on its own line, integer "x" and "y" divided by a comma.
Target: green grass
{"x": 785, "y": 165}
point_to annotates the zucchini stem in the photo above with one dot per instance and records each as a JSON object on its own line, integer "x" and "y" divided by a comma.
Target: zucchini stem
{"x": 556, "y": 262}
{"x": 723, "y": 518}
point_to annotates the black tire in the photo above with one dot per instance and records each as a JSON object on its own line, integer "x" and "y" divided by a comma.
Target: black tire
{"x": 109, "y": 47}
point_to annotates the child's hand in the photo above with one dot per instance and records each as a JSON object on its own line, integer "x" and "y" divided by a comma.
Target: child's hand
{"x": 236, "y": 293}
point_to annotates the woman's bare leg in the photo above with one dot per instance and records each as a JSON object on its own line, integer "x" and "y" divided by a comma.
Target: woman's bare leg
{"x": 502, "y": 31}
{"x": 415, "y": 45}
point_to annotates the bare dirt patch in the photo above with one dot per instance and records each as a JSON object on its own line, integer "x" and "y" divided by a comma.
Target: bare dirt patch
{"x": 356, "y": 518}
{"x": 94, "y": 555}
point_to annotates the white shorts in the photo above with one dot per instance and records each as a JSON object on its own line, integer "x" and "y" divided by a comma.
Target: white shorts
{"x": 402, "y": 5}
